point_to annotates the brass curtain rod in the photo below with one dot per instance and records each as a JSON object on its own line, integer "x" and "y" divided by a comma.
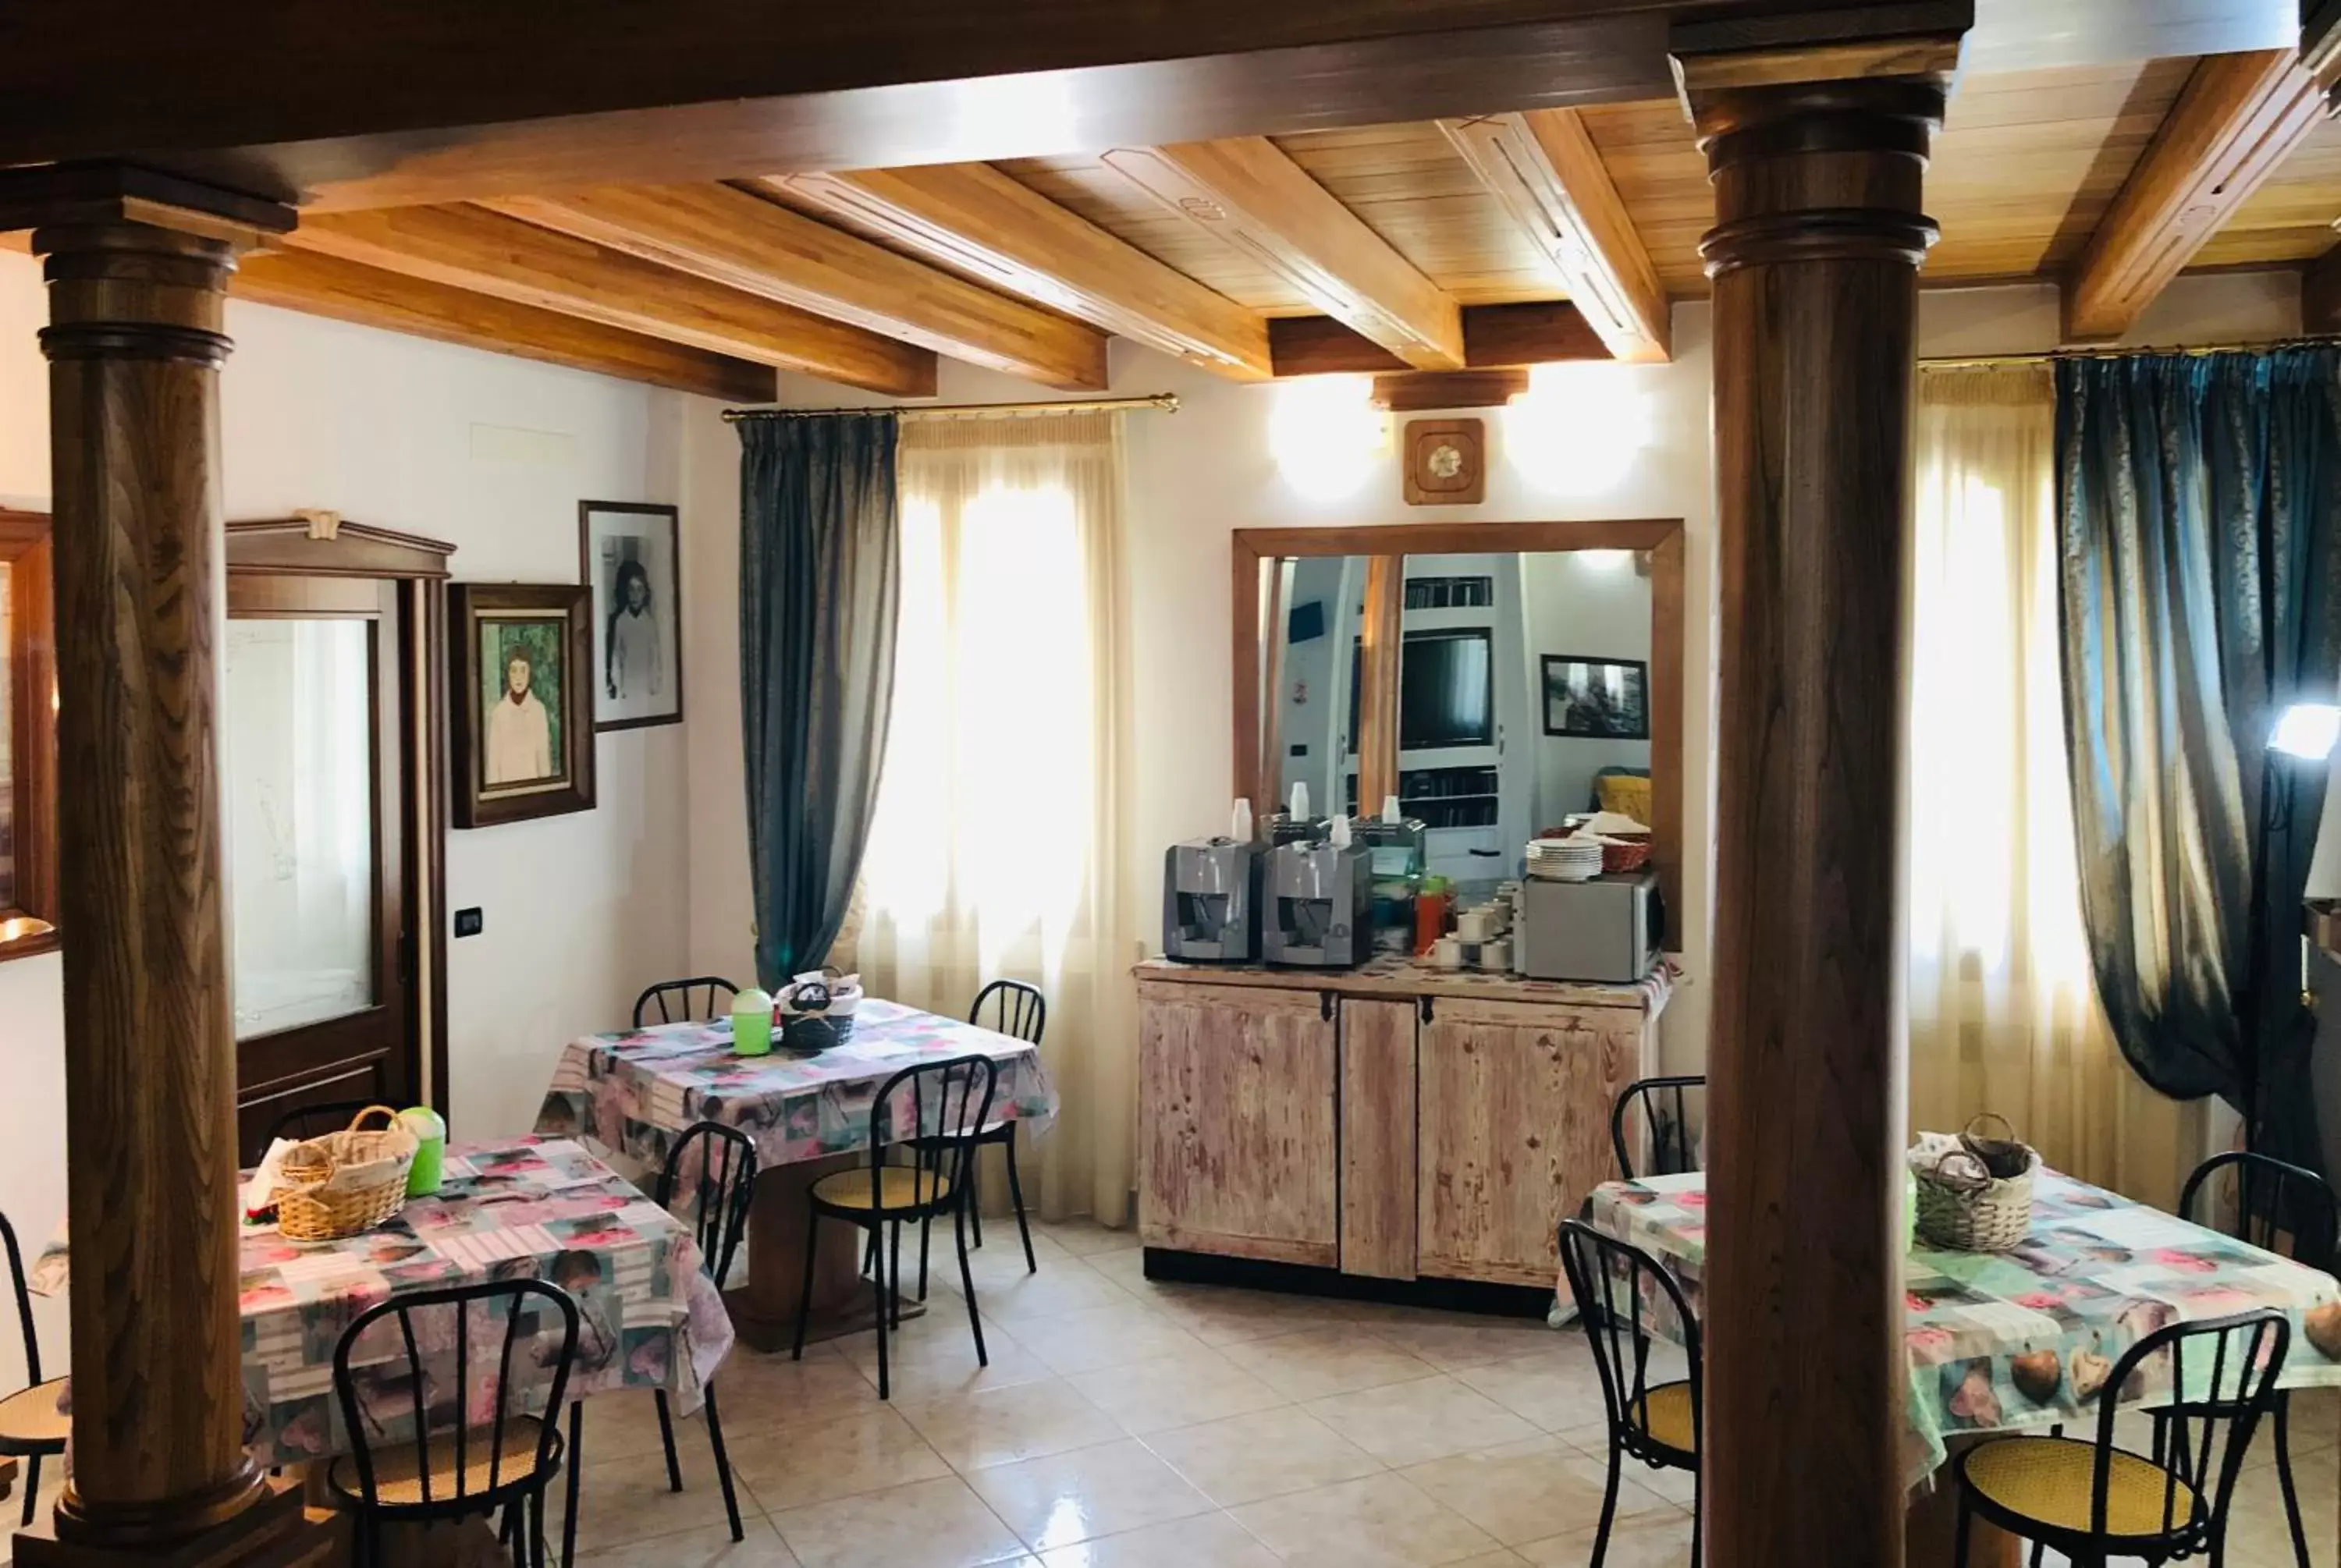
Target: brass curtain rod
{"x": 1166, "y": 402}
{"x": 2050, "y": 356}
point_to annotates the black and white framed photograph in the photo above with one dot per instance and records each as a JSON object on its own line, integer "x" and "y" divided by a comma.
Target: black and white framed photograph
{"x": 630, "y": 556}
{"x": 1596, "y": 698}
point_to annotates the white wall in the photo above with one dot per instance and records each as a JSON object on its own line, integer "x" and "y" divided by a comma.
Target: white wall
{"x": 492, "y": 453}
{"x": 1598, "y": 442}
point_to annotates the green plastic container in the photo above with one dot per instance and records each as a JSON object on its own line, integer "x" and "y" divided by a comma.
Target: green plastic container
{"x": 752, "y": 1023}
{"x": 430, "y": 1130}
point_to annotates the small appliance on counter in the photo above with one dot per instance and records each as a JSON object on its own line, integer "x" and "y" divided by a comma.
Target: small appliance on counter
{"x": 1395, "y": 843}
{"x": 1210, "y": 897}
{"x": 1608, "y": 929}
{"x": 1293, "y": 825}
{"x": 1317, "y": 909}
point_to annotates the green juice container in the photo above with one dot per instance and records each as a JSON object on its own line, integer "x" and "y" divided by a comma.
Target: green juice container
{"x": 752, "y": 1023}
{"x": 430, "y": 1130}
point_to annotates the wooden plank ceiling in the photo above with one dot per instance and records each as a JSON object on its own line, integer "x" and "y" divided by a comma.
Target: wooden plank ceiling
{"x": 1432, "y": 245}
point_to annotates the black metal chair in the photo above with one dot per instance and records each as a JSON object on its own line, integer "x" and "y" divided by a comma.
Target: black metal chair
{"x": 1656, "y": 1424}
{"x": 958, "y": 1093}
{"x": 2280, "y": 1208}
{"x": 32, "y": 1428}
{"x": 719, "y": 1216}
{"x": 675, "y": 1004}
{"x": 315, "y": 1119}
{"x": 2093, "y": 1501}
{"x": 1019, "y": 1011}
{"x": 504, "y": 1465}
{"x": 1664, "y": 1120}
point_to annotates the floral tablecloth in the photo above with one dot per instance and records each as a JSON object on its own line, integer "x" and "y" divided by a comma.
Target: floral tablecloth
{"x": 636, "y": 1090}
{"x": 648, "y": 1315}
{"x": 2000, "y": 1341}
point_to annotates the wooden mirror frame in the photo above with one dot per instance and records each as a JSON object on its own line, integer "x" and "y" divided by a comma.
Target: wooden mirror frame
{"x": 1661, "y": 537}
{"x": 31, "y": 669}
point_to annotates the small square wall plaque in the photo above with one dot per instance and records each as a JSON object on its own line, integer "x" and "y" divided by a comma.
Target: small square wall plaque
{"x": 1446, "y": 463}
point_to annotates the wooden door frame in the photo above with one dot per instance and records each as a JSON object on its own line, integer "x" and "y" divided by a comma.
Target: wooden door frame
{"x": 25, "y": 546}
{"x": 322, "y": 544}
{"x": 1661, "y": 537}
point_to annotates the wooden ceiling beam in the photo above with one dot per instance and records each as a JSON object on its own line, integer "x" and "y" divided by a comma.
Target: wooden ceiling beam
{"x": 1495, "y": 337}
{"x": 1247, "y": 194}
{"x": 386, "y": 103}
{"x": 322, "y": 285}
{"x": 1544, "y": 168}
{"x": 746, "y": 241}
{"x": 2239, "y": 117}
{"x": 977, "y": 220}
{"x": 472, "y": 248}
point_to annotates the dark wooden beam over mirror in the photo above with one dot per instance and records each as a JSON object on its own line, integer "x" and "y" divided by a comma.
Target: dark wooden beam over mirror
{"x": 1254, "y": 549}
{"x": 385, "y": 103}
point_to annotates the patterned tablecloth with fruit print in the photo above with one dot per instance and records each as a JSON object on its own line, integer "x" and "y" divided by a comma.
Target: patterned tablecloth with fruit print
{"x": 639, "y": 1090}
{"x": 2002, "y": 1341}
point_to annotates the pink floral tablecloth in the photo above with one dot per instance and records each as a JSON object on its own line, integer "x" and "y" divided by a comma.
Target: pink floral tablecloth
{"x": 2005, "y": 1341}
{"x": 530, "y": 1208}
{"x": 638, "y": 1089}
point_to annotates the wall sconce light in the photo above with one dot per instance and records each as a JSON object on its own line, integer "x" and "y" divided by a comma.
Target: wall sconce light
{"x": 1327, "y": 436}
{"x": 1578, "y": 427}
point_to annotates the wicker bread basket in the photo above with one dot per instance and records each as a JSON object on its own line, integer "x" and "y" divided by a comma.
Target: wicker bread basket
{"x": 1962, "y": 1205}
{"x": 346, "y": 1182}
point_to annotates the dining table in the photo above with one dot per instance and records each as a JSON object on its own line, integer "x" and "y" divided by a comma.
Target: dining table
{"x": 636, "y": 1091}
{"x": 2019, "y": 1341}
{"x": 544, "y": 1208}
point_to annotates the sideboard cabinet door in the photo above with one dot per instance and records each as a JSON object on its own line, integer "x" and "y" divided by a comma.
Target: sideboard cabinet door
{"x": 1237, "y": 1123}
{"x": 1515, "y": 1131}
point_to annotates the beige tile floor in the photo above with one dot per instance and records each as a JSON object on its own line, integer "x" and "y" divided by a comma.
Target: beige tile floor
{"x": 1128, "y": 1425}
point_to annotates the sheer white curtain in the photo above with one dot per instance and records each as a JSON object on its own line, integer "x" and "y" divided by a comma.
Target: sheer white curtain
{"x": 998, "y": 842}
{"x": 2003, "y": 1010}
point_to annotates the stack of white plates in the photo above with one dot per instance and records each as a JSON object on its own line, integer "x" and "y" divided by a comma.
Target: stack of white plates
{"x": 1576, "y": 859}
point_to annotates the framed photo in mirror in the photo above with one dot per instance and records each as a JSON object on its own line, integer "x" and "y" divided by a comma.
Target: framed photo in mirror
{"x": 1596, "y": 698}
{"x": 522, "y": 711}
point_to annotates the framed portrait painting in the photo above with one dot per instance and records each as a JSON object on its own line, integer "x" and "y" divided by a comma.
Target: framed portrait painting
{"x": 1596, "y": 698}
{"x": 627, "y": 553}
{"x": 523, "y": 720}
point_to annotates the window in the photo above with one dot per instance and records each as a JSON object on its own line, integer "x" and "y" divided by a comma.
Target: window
{"x": 28, "y": 738}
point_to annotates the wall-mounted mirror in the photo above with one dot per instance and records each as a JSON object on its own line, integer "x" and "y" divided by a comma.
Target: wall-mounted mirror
{"x": 1496, "y": 678}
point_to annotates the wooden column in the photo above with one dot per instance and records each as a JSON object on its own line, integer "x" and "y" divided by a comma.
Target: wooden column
{"x": 138, "y": 269}
{"x": 1816, "y": 158}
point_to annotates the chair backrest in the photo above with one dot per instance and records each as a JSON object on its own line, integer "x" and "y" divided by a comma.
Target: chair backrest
{"x": 1615, "y": 1284}
{"x": 316, "y": 1118}
{"x": 431, "y": 1355}
{"x": 2276, "y": 1202}
{"x": 1016, "y": 1008}
{"x": 1664, "y": 1106}
{"x": 676, "y": 1004}
{"x": 23, "y": 1303}
{"x": 2219, "y": 1374}
{"x": 945, "y": 1105}
{"x": 720, "y": 1164}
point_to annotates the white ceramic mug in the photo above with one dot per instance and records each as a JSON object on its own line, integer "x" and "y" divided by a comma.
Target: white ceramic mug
{"x": 1475, "y": 925}
{"x": 1446, "y": 953}
{"x": 1497, "y": 956}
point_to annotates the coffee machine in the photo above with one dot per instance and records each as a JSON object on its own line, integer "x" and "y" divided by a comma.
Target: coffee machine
{"x": 1317, "y": 908}
{"x": 1210, "y": 901}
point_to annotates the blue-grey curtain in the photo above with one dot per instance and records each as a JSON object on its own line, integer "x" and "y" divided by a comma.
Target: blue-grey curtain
{"x": 2198, "y": 500}
{"x": 819, "y": 582}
